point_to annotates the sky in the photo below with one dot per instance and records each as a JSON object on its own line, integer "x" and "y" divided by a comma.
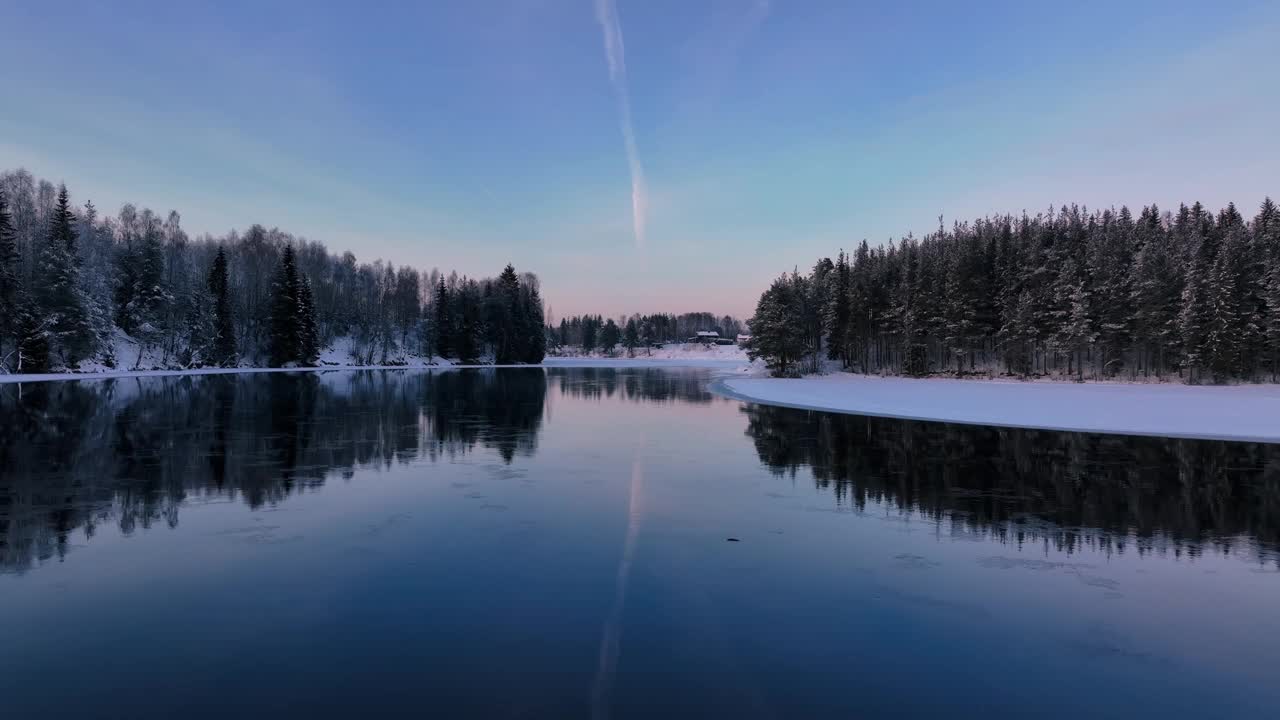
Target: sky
{"x": 639, "y": 155}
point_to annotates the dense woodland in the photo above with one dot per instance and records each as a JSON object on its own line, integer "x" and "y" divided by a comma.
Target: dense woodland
{"x": 1068, "y": 293}
{"x": 79, "y": 289}
{"x": 592, "y": 333}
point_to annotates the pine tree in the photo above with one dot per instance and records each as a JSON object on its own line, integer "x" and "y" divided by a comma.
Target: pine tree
{"x": 223, "y": 347}
{"x": 286, "y": 323}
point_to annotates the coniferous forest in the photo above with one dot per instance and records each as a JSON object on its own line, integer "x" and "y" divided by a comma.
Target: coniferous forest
{"x": 79, "y": 289}
{"x": 591, "y": 333}
{"x": 1068, "y": 293}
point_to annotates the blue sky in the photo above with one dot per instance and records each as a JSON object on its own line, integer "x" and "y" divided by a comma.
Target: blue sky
{"x": 762, "y": 134}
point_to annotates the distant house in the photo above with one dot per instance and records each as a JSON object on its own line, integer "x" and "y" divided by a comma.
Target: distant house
{"x": 706, "y": 337}
{"x": 743, "y": 340}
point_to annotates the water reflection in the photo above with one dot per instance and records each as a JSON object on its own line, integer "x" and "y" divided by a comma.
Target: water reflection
{"x": 78, "y": 454}
{"x": 635, "y": 384}
{"x": 133, "y": 452}
{"x": 1105, "y": 492}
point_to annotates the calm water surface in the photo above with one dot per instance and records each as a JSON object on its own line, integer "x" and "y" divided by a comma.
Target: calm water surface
{"x": 612, "y": 543}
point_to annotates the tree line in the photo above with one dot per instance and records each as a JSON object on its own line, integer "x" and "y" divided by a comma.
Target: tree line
{"x": 588, "y": 333}
{"x": 1067, "y": 293}
{"x": 79, "y": 289}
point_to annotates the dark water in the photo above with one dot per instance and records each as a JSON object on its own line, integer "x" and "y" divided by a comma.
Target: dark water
{"x": 521, "y": 543}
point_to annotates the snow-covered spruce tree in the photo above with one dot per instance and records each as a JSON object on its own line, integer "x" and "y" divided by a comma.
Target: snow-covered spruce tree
{"x": 59, "y": 295}
{"x": 32, "y": 336}
{"x": 1155, "y": 293}
{"x": 442, "y": 335}
{"x": 308, "y": 334}
{"x": 609, "y": 336}
{"x": 839, "y": 312}
{"x": 96, "y": 274}
{"x": 1230, "y": 328}
{"x": 631, "y": 337}
{"x": 9, "y": 287}
{"x": 1266, "y": 228}
{"x": 1197, "y": 311}
{"x": 532, "y": 315}
{"x": 141, "y": 295}
{"x": 502, "y": 314}
{"x": 777, "y": 335}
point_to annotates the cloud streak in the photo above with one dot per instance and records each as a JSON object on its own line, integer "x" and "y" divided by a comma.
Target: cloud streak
{"x": 615, "y": 56}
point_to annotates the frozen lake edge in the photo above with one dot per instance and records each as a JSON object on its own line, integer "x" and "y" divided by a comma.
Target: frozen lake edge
{"x": 1247, "y": 413}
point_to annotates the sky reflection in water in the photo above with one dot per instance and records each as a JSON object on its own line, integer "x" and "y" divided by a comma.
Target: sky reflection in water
{"x": 553, "y": 544}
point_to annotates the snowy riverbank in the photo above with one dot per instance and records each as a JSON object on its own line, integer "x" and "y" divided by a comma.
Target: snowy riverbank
{"x": 1236, "y": 412}
{"x": 715, "y": 358}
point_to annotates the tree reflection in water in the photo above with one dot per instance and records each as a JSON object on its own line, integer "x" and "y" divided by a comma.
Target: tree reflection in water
{"x": 78, "y": 454}
{"x": 1108, "y": 492}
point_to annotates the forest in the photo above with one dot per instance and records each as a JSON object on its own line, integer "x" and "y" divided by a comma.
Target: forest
{"x": 1067, "y": 293}
{"x": 591, "y": 333}
{"x": 81, "y": 290}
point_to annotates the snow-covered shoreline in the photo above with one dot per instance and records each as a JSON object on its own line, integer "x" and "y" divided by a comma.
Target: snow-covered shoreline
{"x": 1234, "y": 412}
{"x": 550, "y": 362}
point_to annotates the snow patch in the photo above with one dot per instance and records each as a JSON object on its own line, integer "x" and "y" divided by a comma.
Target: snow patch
{"x": 1236, "y": 412}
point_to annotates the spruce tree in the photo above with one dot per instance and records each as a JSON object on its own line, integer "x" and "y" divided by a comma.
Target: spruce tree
{"x": 443, "y": 323}
{"x": 9, "y": 285}
{"x": 609, "y": 336}
{"x": 286, "y": 323}
{"x": 308, "y": 334}
{"x": 1197, "y": 312}
{"x": 60, "y": 296}
{"x": 631, "y": 337}
{"x": 535, "y": 344}
{"x": 503, "y": 318}
{"x": 839, "y": 314}
{"x": 223, "y": 352}
{"x": 32, "y": 337}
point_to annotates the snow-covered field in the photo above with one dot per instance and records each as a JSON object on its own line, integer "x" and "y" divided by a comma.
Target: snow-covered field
{"x": 1236, "y": 412}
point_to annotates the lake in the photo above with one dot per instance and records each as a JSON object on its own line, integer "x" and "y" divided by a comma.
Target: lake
{"x": 620, "y": 543}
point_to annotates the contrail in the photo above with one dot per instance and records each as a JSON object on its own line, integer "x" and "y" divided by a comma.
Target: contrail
{"x": 615, "y": 55}
{"x": 607, "y": 664}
